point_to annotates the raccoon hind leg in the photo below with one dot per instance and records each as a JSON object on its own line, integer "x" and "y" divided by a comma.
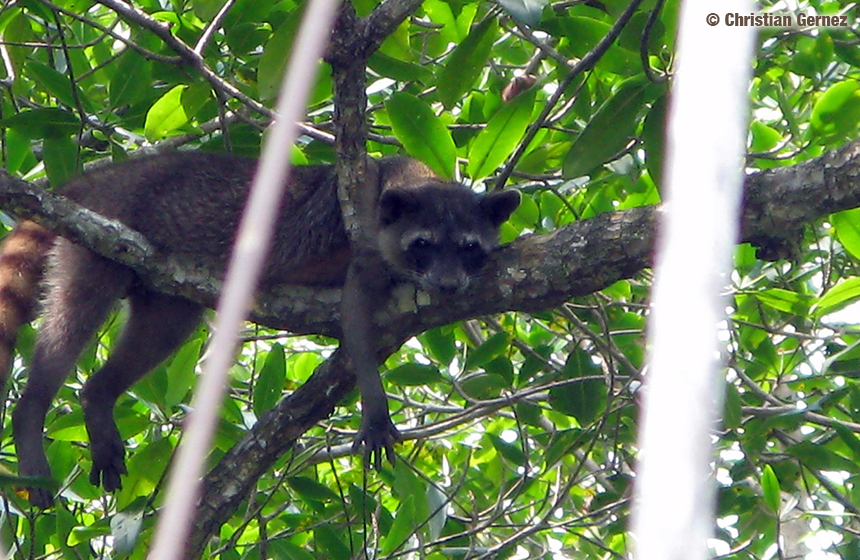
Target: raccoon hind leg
{"x": 82, "y": 289}
{"x": 157, "y": 325}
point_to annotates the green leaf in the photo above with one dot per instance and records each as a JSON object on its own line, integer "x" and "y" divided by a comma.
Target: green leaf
{"x": 150, "y": 461}
{"x": 310, "y": 489}
{"x": 174, "y": 110}
{"x": 68, "y": 427}
{"x": 527, "y": 214}
{"x": 441, "y": 13}
{"x": 60, "y": 155}
{"x": 528, "y": 413}
{"x": 499, "y": 139}
{"x": 836, "y": 111}
{"x": 509, "y": 451}
{"x": 490, "y": 349}
{"x": 812, "y": 55}
{"x": 245, "y": 37}
{"x": 436, "y": 503}
{"x": 397, "y": 43}
{"x": 273, "y": 61}
{"x": 413, "y": 375}
{"x": 289, "y": 551}
{"x": 86, "y": 534}
{"x": 821, "y": 458}
{"x": 270, "y": 382}
{"x": 440, "y": 343}
{"x": 407, "y": 483}
{"x": 330, "y": 543}
{"x": 56, "y": 83}
{"x": 404, "y": 523}
{"x": 561, "y": 444}
{"x": 784, "y": 300}
{"x": 584, "y": 400}
{"x": 837, "y": 297}
{"x": 396, "y": 69}
{"x": 303, "y": 365}
{"x": 484, "y": 385}
{"x": 17, "y": 150}
{"x": 770, "y": 489}
{"x": 849, "y": 438}
{"x": 583, "y": 33}
{"x": 654, "y": 138}
{"x": 206, "y": 9}
{"x": 847, "y": 226}
{"x": 181, "y": 373}
{"x": 43, "y": 123}
{"x": 732, "y": 415}
{"x": 609, "y": 130}
{"x": 466, "y": 63}
{"x": 131, "y": 79}
{"x": 422, "y": 133}
{"x": 764, "y": 137}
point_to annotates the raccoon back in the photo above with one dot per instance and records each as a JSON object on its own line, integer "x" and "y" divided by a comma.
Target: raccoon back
{"x": 188, "y": 204}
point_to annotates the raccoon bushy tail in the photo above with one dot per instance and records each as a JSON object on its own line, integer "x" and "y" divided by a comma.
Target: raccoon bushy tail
{"x": 23, "y": 255}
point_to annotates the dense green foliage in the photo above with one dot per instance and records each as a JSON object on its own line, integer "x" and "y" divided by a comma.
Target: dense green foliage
{"x": 538, "y": 450}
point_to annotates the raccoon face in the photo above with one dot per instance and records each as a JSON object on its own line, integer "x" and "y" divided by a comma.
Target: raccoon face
{"x": 440, "y": 234}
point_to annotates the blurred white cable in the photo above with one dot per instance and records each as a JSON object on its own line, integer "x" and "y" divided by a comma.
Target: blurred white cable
{"x": 246, "y": 262}
{"x": 674, "y": 512}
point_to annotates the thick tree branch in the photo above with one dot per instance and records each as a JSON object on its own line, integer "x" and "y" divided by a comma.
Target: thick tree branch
{"x": 535, "y": 272}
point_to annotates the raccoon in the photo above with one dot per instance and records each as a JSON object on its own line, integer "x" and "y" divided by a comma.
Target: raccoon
{"x": 421, "y": 229}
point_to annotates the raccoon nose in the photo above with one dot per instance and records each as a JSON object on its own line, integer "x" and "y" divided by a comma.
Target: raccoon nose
{"x": 450, "y": 284}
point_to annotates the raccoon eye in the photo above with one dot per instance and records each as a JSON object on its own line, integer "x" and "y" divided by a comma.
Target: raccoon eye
{"x": 420, "y": 254}
{"x": 473, "y": 255}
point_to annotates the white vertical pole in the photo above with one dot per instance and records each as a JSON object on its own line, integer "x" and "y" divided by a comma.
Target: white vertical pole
{"x": 246, "y": 262}
{"x": 674, "y": 502}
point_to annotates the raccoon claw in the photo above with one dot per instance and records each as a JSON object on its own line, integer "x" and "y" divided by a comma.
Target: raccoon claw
{"x": 110, "y": 478}
{"x": 376, "y": 437}
{"x": 108, "y": 464}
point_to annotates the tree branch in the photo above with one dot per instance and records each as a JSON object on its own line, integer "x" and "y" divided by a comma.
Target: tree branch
{"x": 189, "y": 56}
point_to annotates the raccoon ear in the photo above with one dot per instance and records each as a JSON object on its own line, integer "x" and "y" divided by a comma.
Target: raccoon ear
{"x": 394, "y": 204}
{"x": 498, "y": 206}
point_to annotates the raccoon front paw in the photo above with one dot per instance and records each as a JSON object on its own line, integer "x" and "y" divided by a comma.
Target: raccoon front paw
{"x": 108, "y": 462}
{"x": 377, "y": 433}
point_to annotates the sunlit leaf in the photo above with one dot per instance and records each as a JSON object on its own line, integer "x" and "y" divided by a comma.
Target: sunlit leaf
{"x": 466, "y": 63}
{"x": 770, "y": 488}
{"x": 609, "y": 130}
{"x": 499, "y": 139}
{"x": 422, "y": 133}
